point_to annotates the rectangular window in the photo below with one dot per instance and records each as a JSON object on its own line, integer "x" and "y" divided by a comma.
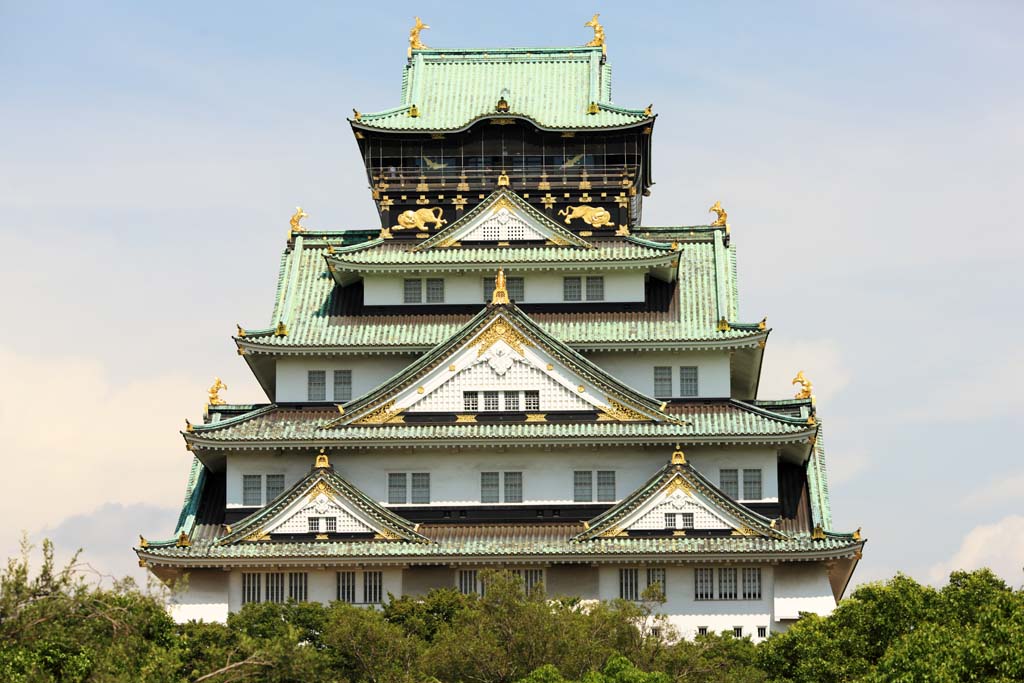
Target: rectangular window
{"x": 250, "y": 587}
{"x": 737, "y": 631}
{"x": 629, "y": 580}
{"x": 605, "y": 487}
{"x": 685, "y": 520}
{"x": 656, "y": 579}
{"x": 752, "y": 484}
{"x": 467, "y": 581}
{"x": 342, "y": 385}
{"x": 513, "y": 487}
{"x": 435, "y": 290}
{"x": 727, "y": 583}
{"x": 313, "y": 524}
{"x": 728, "y": 481}
{"x": 275, "y": 486}
{"x": 515, "y": 285}
{"x": 688, "y": 380}
{"x": 252, "y": 489}
{"x": 490, "y": 400}
{"x": 595, "y": 288}
{"x": 583, "y": 486}
{"x": 702, "y": 630}
{"x": 532, "y": 579}
{"x": 662, "y": 382}
{"x": 762, "y": 631}
{"x": 396, "y": 488}
{"x": 572, "y": 289}
{"x": 470, "y": 401}
{"x": 412, "y": 292}
{"x": 373, "y": 586}
{"x": 670, "y": 520}
{"x": 332, "y": 524}
{"x": 531, "y": 400}
{"x": 512, "y": 401}
{"x": 489, "y": 490}
{"x": 275, "y": 586}
{"x": 316, "y": 385}
{"x": 752, "y": 583}
{"x": 298, "y": 583}
{"x": 704, "y": 583}
{"x": 347, "y": 587}
{"x": 420, "y": 487}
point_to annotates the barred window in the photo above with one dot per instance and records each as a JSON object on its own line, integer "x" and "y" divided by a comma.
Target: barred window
{"x": 313, "y": 524}
{"x": 252, "y": 489}
{"x": 347, "y": 586}
{"x": 396, "y": 488}
{"x": 688, "y": 380}
{"x": 512, "y": 401}
{"x": 670, "y": 520}
{"x": 605, "y": 487}
{"x": 316, "y": 385}
{"x": 704, "y": 584}
{"x": 751, "y": 484}
{"x": 728, "y": 481}
{"x": 515, "y": 285}
{"x": 491, "y": 400}
{"x": 435, "y": 290}
{"x": 489, "y": 487}
{"x": 656, "y": 578}
{"x": 532, "y": 400}
{"x": 412, "y": 292}
{"x": 572, "y": 289}
{"x": 762, "y": 631}
{"x": 342, "y": 385}
{"x": 629, "y": 584}
{"x": 513, "y": 487}
{"x": 468, "y": 582}
{"x": 332, "y": 524}
{"x": 373, "y": 585}
{"x": 275, "y": 486}
{"x": 727, "y": 583}
{"x": 662, "y": 382}
{"x": 298, "y": 583}
{"x": 752, "y": 583}
{"x": 737, "y": 631}
{"x": 583, "y": 486}
{"x": 685, "y": 520}
{"x": 702, "y": 630}
{"x": 595, "y": 288}
{"x": 420, "y": 487}
{"x": 532, "y": 579}
{"x": 250, "y": 587}
{"x": 470, "y": 401}
{"x": 275, "y": 586}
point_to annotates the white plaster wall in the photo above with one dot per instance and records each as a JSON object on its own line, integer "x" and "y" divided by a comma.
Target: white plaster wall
{"x": 709, "y": 461}
{"x": 368, "y": 372}
{"x": 468, "y": 288}
{"x": 321, "y": 583}
{"x": 802, "y": 588}
{"x": 637, "y": 369}
{"x": 204, "y": 599}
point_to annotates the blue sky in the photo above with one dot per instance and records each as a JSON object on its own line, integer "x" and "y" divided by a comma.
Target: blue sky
{"x": 869, "y": 155}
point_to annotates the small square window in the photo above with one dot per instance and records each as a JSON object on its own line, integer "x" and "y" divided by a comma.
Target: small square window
{"x": 685, "y": 520}
{"x": 491, "y": 400}
{"x": 252, "y": 489}
{"x": 396, "y": 488}
{"x": 435, "y": 290}
{"x": 275, "y": 486}
{"x": 470, "y": 401}
{"x": 342, "y": 385}
{"x": 572, "y": 289}
{"x": 737, "y": 631}
{"x": 605, "y": 487}
{"x": 702, "y": 630}
{"x": 762, "y": 631}
{"x": 412, "y": 292}
{"x": 421, "y": 487}
{"x": 532, "y": 400}
{"x": 489, "y": 487}
{"x": 595, "y": 288}
{"x": 316, "y": 385}
{"x": 728, "y": 481}
{"x": 752, "y": 484}
{"x": 663, "y": 382}
{"x": 314, "y": 525}
{"x": 332, "y": 524}
{"x": 583, "y": 486}
{"x": 688, "y": 381}
{"x": 513, "y": 487}
{"x": 512, "y": 401}
{"x": 670, "y": 520}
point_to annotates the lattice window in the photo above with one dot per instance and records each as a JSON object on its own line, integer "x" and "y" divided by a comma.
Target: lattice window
{"x": 331, "y": 524}
{"x": 728, "y": 481}
{"x": 251, "y": 587}
{"x": 346, "y": 586}
{"x": 470, "y": 401}
{"x": 412, "y": 291}
{"x": 373, "y": 587}
{"x": 752, "y": 484}
{"x": 489, "y": 487}
{"x": 275, "y": 586}
{"x": 313, "y": 524}
{"x": 662, "y": 382}
{"x": 420, "y": 487}
{"x": 252, "y": 489}
{"x": 727, "y": 583}
{"x": 275, "y": 486}
{"x": 316, "y": 385}
{"x": 688, "y": 380}
{"x": 531, "y": 400}
{"x": 583, "y": 486}
{"x": 685, "y": 520}
{"x": 595, "y": 288}
{"x": 468, "y": 584}
{"x": 572, "y": 289}
{"x": 511, "y": 401}
{"x": 629, "y": 584}
{"x": 751, "y": 583}
{"x": 605, "y": 486}
{"x": 298, "y": 585}
{"x": 513, "y": 487}
{"x": 704, "y": 584}
{"x": 342, "y": 385}
{"x": 397, "y": 488}
{"x": 532, "y": 579}
{"x": 435, "y": 290}
{"x": 491, "y": 400}
{"x": 657, "y": 580}
{"x": 670, "y": 520}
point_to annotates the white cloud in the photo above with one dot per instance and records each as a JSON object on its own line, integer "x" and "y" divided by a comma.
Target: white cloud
{"x": 998, "y": 546}
{"x": 1003, "y": 490}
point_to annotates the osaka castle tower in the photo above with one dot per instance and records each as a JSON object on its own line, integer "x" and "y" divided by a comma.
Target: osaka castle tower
{"x": 512, "y": 372}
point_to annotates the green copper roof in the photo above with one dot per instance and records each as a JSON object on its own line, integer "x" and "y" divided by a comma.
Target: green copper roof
{"x": 817, "y": 483}
{"x": 550, "y": 87}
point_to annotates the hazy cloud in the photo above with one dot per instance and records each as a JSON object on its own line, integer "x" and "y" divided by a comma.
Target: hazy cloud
{"x": 998, "y": 546}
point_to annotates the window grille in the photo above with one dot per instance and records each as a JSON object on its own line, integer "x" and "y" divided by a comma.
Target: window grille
{"x": 331, "y": 524}
{"x": 572, "y": 289}
{"x": 490, "y": 400}
{"x": 662, "y": 382}
{"x": 685, "y": 520}
{"x": 275, "y": 486}
{"x": 373, "y": 584}
{"x": 250, "y": 587}
{"x": 396, "y": 488}
{"x": 252, "y": 485}
{"x": 629, "y": 580}
{"x": 762, "y": 631}
{"x": 751, "y": 484}
{"x": 342, "y": 385}
{"x": 275, "y": 586}
{"x": 489, "y": 487}
{"x": 435, "y": 290}
{"x": 688, "y": 380}
{"x": 515, "y": 286}
{"x": 704, "y": 588}
{"x": 532, "y": 579}
{"x": 347, "y": 586}
{"x": 656, "y": 578}
{"x": 729, "y": 483}
{"x": 752, "y": 583}
{"x": 411, "y": 293}
{"x": 316, "y": 385}
{"x": 513, "y": 487}
{"x": 531, "y": 400}
{"x": 512, "y": 401}
{"x": 595, "y": 288}
{"x": 467, "y": 581}
{"x": 605, "y": 487}
{"x": 298, "y": 583}
{"x": 583, "y": 486}
{"x": 727, "y": 583}
{"x": 313, "y": 524}
{"x": 421, "y": 487}
{"x": 670, "y": 520}
{"x": 702, "y": 630}
{"x": 470, "y": 401}
{"x": 737, "y": 631}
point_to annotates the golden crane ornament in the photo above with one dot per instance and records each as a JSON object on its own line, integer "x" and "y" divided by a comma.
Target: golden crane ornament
{"x": 414, "y": 36}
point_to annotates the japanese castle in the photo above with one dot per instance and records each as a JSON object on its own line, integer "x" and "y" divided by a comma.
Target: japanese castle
{"x": 511, "y": 371}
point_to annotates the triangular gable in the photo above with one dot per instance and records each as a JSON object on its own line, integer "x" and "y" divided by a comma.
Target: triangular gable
{"x": 504, "y": 216}
{"x": 678, "y": 488}
{"x": 502, "y": 348}
{"x": 323, "y": 494}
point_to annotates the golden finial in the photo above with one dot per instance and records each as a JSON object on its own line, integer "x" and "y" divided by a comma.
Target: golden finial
{"x": 414, "y": 36}
{"x": 500, "y": 295}
{"x": 856, "y": 534}
{"x": 355, "y": 114}
{"x": 241, "y": 330}
{"x": 214, "y": 391}
{"x": 414, "y": 111}
{"x": 321, "y": 460}
{"x": 818, "y": 534}
{"x": 143, "y": 543}
{"x": 722, "y": 216}
{"x": 806, "y": 388}
{"x": 281, "y": 330}
{"x": 723, "y": 325}
{"x": 678, "y": 457}
{"x": 183, "y": 541}
{"x": 648, "y": 110}
{"x": 598, "y": 40}
{"x": 294, "y": 221}
{"x": 763, "y": 325}
{"x": 502, "y": 105}
{"x": 593, "y": 108}
{"x": 503, "y": 180}
{"x": 188, "y": 426}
